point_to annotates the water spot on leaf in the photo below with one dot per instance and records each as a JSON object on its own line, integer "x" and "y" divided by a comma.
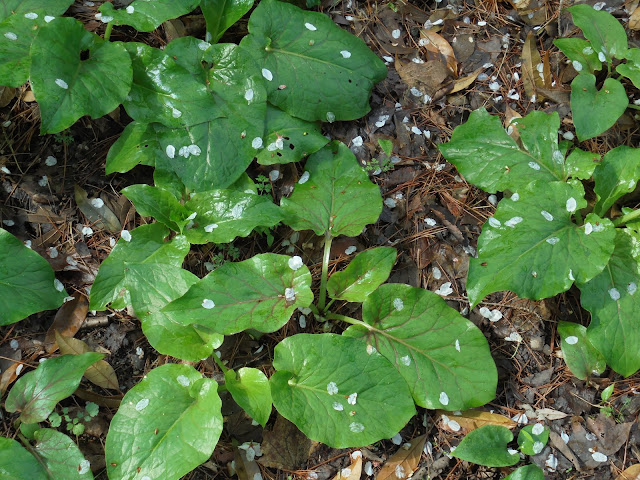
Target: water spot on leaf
{"x": 571, "y": 275}
{"x": 295, "y": 263}
{"x": 571, "y": 205}
{"x": 31, "y": 15}
{"x": 512, "y": 222}
{"x": 352, "y": 399}
{"x": 170, "y": 151}
{"x": 130, "y": 9}
{"x": 248, "y": 95}
{"x": 182, "y": 380}
{"x": 572, "y": 340}
{"x": 534, "y": 165}
{"x": 61, "y": 83}
{"x": 457, "y": 344}
{"x": 577, "y": 65}
{"x": 204, "y": 46}
{"x": 399, "y": 471}
{"x": 11, "y": 36}
{"x": 398, "y": 304}
{"x": 406, "y": 361}
{"x": 345, "y": 53}
{"x": 208, "y": 304}
{"x": 614, "y": 294}
{"x": 537, "y": 447}
{"x": 175, "y": 113}
{"x": 356, "y": 427}
{"x": 303, "y": 178}
{"x": 515, "y": 197}
{"x": 310, "y": 26}
{"x": 588, "y": 228}
{"x": 371, "y": 349}
{"x": 49, "y": 18}
{"x": 599, "y": 457}
{"x": 552, "y": 240}
{"x": 631, "y": 288}
{"x": 494, "y": 222}
{"x": 125, "y": 235}
{"x": 142, "y": 404}
{"x": 537, "y": 429}
{"x": 289, "y": 294}
{"x": 257, "y": 143}
{"x": 557, "y": 156}
{"x": 332, "y": 388}
{"x": 194, "y": 149}
{"x": 331, "y": 117}
{"x": 547, "y": 216}
{"x": 444, "y": 398}
{"x": 57, "y": 284}
{"x": 266, "y": 73}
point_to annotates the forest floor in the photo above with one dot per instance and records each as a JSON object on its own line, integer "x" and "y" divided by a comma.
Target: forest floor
{"x": 445, "y": 59}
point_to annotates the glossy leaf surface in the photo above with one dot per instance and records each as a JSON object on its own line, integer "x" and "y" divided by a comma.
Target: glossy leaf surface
{"x": 615, "y": 176}
{"x": 527, "y": 472}
{"x": 250, "y": 388}
{"x": 221, "y": 14}
{"x": 20, "y": 7}
{"x": 581, "y": 53}
{"x": 581, "y": 356}
{"x": 603, "y": 31}
{"x": 137, "y": 144}
{"x": 594, "y": 111}
{"x": 17, "y": 463}
{"x": 487, "y": 446}
{"x": 17, "y": 33}
{"x": 145, "y": 15}
{"x": 61, "y": 456}
{"x": 532, "y": 441}
{"x": 157, "y": 203}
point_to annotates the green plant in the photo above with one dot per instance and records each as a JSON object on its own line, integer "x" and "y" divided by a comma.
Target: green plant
{"x": 545, "y": 236}
{"x": 74, "y": 424}
{"x": 605, "y": 45}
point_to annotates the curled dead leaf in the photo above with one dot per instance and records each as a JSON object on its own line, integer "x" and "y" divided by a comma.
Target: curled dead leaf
{"x": 353, "y": 471}
{"x": 472, "y": 419}
{"x": 464, "y": 82}
{"x": 437, "y": 45}
{"x": 100, "y": 216}
{"x": 67, "y": 321}
{"x": 631, "y": 473}
{"x": 403, "y": 463}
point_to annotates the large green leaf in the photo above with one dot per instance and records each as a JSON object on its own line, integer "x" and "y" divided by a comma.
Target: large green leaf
{"x": 223, "y": 215}
{"x": 581, "y": 356}
{"x": 250, "y": 388}
{"x": 615, "y": 176}
{"x": 61, "y": 456}
{"x": 582, "y": 55}
{"x": 366, "y": 272}
{"x": 157, "y": 203}
{"x": 527, "y": 472}
{"x": 20, "y": 7}
{"x": 27, "y": 282}
{"x": 68, "y": 86}
{"x": 601, "y": 29}
{"x": 145, "y": 15}
{"x": 631, "y": 69}
{"x": 137, "y": 144}
{"x": 289, "y": 139}
{"x": 594, "y": 111}
{"x": 146, "y": 245}
{"x": 312, "y": 68}
{"x": 443, "y": 357}
{"x": 336, "y": 393}
{"x": 581, "y": 164}
{"x": 166, "y": 425}
{"x": 487, "y": 445}
{"x": 611, "y": 299}
{"x": 165, "y": 92}
{"x": 489, "y": 158}
{"x": 259, "y": 293}
{"x": 532, "y": 247}
{"x": 17, "y": 463}
{"x": 334, "y": 195}
{"x": 152, "y": 286}
{"x": 221, "y": 14}
{"x": 17, "y": 33}
{"x": 36, "y": 393}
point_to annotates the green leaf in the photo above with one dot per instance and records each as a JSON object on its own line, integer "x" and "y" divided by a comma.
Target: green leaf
{"x": 329, "y": 377}
{"x": 595, "y": 111}
{"x": 27, "y": 282}
{"x": 606, "y": 393}
{"x": 615, "y": 176}
{"x": 581, "y": 164}
{"x": 386, "y": 146}
{"x": 611, "y": 299}
{"x": 527, "y": 472}
{"x": 166, "y": 425}
{"x": 157, "y": 203}
{"x": 137, "y": 144}
{"x": 221, "y": 14}
{"x": 601, "y": 29}
{"x": 333, "y": 196}
{"x": 581, "y": 356}
{"x": 532, "y": 247}
{"x": 533, "y": 438}
{"x": 242, "y": 295}
{"x": 68, "y": 86}
{"x": 250, "y": 388}
{"x": 289, "y": 139}
{"x": 61, "y": 456}
{"x": 631, "y": 69}
{"x": 152, "y": 286}
{"x": 487, "y": 445}
{"x": 443, "y": 357}
{"x": 146, "y": 245}
{"x": 20, "y": 7}
{"x": 581, "y": 53}
{"x": 146, "y": 16}
{"x": 36, "y": 393}
{"x": 165, "y": 92}
{"x": 366, "y": 272}
{"x": 312, "y": 68}
{"x": 17, "y": 33}
{"x": 16, "y": 462}
{"x": 489, "y": 158}
{"x": 223, "y": 215}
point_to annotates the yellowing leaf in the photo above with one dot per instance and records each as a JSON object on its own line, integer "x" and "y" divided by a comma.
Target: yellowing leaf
{"x": 402, "y": 463}
{"x": 631, "y": 473}
{"x": 530, "y": 60}
{"x": 67, "y": 321}
{"x": 353, "y": 471}
{"x": 472, "y": 419}
{"x": 464, "y": 82}
{"x": 436, "y": 44}
{"x": 100, "y": 373}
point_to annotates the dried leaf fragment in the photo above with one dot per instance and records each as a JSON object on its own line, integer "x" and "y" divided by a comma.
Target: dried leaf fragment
{"x": 402, "y": 464}
{"x": 472, "y": 419}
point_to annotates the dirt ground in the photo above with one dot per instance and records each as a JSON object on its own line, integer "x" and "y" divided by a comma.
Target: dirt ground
{"x": 445, "y": 59}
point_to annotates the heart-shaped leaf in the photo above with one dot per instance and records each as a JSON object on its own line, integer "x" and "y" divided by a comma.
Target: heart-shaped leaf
{"x": 581, "y": 356}
{"x": 61, "y": 456}
{"x": 17, "y": 33}
{"x": 334, "y": 196}
{"x": 527, "y": 472}
{"x": 146, "y": 16}
{"x": 489, "y": 158}
{"x": 611, "y": 299}
{"x": 145, "y": 244}
{"x": 487, "y": 446}
{"x": 366, "y": 272}
{"x": 36, "y": 394}
{"x": 601, "y": 29}
{"x": 533, "y": 438}
{"x": 594, "y": 111}
{"x": 581, "y": 53}
{"x": 615, "y": 176}
{"x": 221, "y": 14}
{"x": 154, "y": 437}
{"x": 443, "y": 357}
{"x": 260, "y": 293}
{"x": 18, "y": 463}
{"x": 532, "y": 247}
{"x": 333, "y": 377}
{"x": 68, "y": 86}
{"x": 631, "y": 69}
{"x": 157, "y": 203}
{"x": 581, "y": 164}
{"x": 250, "y": 388}
{"x": 137, "y": 144}
{"x": 20, "y": 7}
{"x": 312, "y": 68}
{"x": 152, "y": 286}
{"x": 27, "y": 282}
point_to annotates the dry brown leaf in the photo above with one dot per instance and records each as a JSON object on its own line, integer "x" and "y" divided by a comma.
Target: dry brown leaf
{"x": 285, "y": 447}
{"x": 102, "y": 400}
{"x": 634, "y": 20}
{"x": 8, "y": 377}
{"x": 353, "y": 471}
{"x": 245, "y": 469}
{"x": 464, "y": 82}
{"x": 510, "y": 116}
{"x": 472, "y": 419}
{"x": 531, "y": 78}
{"x": 6, "y": 95}
{"x": 100, "y": 373}
{"x": 67, "y": 321}
{"x": 550, "y": 414}
{"x": 402, "y": 464}
{"x": 427, "y": 77}
{"x": 102, "y": 217}
{"x": 436, "y": 44}
{"x": 633, "y": 472}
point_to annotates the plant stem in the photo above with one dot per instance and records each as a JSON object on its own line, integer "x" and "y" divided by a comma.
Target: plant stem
{"x": 219, "y": 363}
{"x": 107, "y": 31}
{"x": 344, "y": 318}
{"x": 623, "y": 220}
{"x": 325, "y": 273}
{"x": 635, "y": 107}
